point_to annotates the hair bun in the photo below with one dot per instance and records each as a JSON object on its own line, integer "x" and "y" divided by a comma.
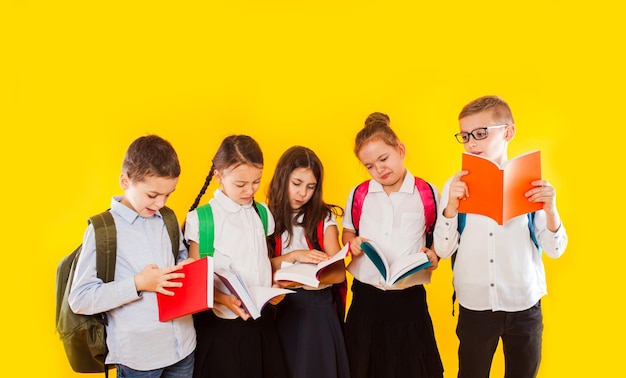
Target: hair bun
{"x": 377, "y": 117}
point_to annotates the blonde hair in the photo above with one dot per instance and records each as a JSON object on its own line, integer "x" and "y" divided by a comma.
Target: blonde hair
{"x": 376, "y": 127}
{"x": 499, "y": 108}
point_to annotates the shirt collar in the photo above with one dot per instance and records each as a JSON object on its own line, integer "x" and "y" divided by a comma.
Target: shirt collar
{"x": 128, "y": 214}
{"x": 408, "y": 184}
{"x": 227, "y": 203}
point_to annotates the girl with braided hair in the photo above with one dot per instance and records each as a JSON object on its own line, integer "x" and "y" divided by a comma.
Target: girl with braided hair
{"x": 230, "y": 344}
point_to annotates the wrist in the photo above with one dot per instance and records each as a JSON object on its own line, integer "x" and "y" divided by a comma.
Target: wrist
{"x": 450, "y": 211}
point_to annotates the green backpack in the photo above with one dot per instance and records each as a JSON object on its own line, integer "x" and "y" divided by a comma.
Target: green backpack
{"x": 84, "y": 336}
{"x": 207, "y": 225}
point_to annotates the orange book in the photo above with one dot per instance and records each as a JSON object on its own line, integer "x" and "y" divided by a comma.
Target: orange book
{"x": 498, "y": 192}
{"x": 195, "y": 295}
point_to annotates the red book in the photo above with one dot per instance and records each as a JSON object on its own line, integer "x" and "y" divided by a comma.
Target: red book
{"x": 195, "y": 295}
{"x": 498, "y": 192}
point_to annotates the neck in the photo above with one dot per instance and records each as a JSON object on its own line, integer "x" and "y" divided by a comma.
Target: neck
{"x": 395, "y": 186}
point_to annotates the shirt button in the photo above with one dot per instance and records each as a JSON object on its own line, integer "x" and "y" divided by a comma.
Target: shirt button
{"x": 491, "y": 260}
{"x": 492, "y": 285}
{"x": 491, "y": 234}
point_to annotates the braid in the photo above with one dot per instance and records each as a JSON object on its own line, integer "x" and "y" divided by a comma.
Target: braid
{"x": 207, "y": 181}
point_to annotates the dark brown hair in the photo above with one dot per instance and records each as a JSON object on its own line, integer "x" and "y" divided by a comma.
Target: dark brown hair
{"x": 314, "y": 211}
{"x": 150, "y": 155}
{"x": 234, "y": 151}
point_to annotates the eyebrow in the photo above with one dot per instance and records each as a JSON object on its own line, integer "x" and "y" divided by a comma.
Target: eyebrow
{"x": 159, "y": 193}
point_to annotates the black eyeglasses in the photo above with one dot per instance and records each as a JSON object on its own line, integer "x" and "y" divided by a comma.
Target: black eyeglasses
{"x": 478, "y": 134}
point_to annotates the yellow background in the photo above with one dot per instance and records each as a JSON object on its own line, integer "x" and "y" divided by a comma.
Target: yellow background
{"x": 81, "y": 80}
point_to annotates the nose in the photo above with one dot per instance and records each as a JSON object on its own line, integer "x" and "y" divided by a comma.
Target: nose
{"x": 160, "y": 201}
{"x": 380, "y": 168}
{"x": 249, "y": 189}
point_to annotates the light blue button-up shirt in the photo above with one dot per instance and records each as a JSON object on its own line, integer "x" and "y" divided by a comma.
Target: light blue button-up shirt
{"x": 135, "y": 336}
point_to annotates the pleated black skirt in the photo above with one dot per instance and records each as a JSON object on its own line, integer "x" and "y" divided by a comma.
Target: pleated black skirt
{"x": 390, "y": 334}
{"x": 234, "y": 348}
{"x": 311, "y": 335}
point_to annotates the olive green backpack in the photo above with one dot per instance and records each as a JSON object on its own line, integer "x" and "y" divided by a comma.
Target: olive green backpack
{"x": 84, "y": 336}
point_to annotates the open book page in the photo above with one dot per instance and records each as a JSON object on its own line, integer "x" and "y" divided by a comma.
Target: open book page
{"x": 498, "y": 192}
{"x": 399, "y": 269}
{"x": 261, "y": 295}
{"x": 307, "y": 273}
{"x": 252, "y": 298}
{"x": 406, "y": 265}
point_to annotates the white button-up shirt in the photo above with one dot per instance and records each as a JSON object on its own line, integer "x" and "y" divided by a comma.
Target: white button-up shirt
{"x": 497, "y": 267}
{"x": 240, "y": 243}
{"x": 396, "y": 223}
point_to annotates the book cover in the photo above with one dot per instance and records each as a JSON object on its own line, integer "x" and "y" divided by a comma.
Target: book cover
{"x": 399, "y": 269}
{"x": 498, "y": 192}
{"x": 308, "y": 273}
{"x": 195, "y": 295}
{"x": 253, "y": 298}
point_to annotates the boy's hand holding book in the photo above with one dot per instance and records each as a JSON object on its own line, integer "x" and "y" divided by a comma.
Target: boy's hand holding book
{"x": 191, "y": 292}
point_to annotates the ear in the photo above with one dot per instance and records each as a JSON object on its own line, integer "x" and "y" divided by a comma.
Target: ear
{"x": 218, "y": 176}
{"x": 401, "y": 149}
{"x": 510, "y": 132}
{"x": 124, "y": 181}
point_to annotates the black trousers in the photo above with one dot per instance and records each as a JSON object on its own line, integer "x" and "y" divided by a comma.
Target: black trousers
{"x": 480, "y": 331}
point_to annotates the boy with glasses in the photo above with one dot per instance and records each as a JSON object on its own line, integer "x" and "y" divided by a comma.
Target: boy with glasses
{"x": 499, "y": 277}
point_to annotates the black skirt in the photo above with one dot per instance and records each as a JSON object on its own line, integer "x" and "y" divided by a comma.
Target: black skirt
{"x": 311, "y": 335}
{"x": 390, "y": 334}
{"x": 234, "y": 348}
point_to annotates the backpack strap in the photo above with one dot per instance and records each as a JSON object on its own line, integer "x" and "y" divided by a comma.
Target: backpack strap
{"x": 278, "y": 246}
{"x": 462, "y": 218}
{"x": 206, "y": 226}
{"x": 318, "y": 240}
{"x": 171, "y": 223}
{"x": 262, "y": 211}
{"x": 206, "y": 230}
{"x": 427, "y": 195}
{"x": 106, "y": 256}
{"x": 358, "y": 197}
{"x": 533, "y": 237}
{"x": 106, "y": 245}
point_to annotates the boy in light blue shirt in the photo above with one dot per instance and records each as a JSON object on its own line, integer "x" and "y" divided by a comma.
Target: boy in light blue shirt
{"x": 139, "y": 344}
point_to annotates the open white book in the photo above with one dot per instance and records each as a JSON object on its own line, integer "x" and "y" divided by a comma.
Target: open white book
{"x": 252, "y": 298}
{"x": 401, "y": 268}
{"x": 308, "y": 273}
